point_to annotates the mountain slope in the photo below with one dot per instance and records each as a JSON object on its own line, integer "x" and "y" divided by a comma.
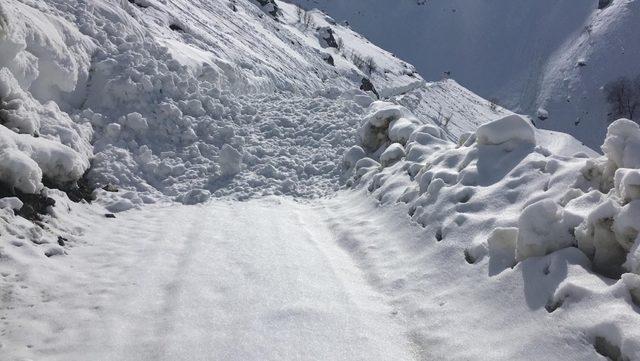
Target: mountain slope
{"x": 526, "y": 55}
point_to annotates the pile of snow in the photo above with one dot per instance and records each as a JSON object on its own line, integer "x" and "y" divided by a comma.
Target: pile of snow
{"x": 610, "y": 233}
{"x": 553, "y": 200}
{"x": 41, "y": 57}
{"x": 510, "y": 128}
{"x": 502, "y": 198}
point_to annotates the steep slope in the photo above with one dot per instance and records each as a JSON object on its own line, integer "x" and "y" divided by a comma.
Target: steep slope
{"x": 526, "y": 55}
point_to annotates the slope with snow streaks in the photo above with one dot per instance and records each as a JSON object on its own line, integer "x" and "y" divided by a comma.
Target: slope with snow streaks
{"x": 554, "y": 55}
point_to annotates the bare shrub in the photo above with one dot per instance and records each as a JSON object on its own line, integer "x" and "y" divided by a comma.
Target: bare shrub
{"x": 623, "y": 96}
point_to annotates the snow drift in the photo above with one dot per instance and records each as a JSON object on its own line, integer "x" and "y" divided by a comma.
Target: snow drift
{"x": 553, "y": 200}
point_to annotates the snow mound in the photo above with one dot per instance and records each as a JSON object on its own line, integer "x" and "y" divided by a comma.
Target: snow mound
{"x": 543, "y": 228}
{"x": 554, "y": 201}
{"x": 385, "y": 123}
{"x": 510, "y": 128}
{"x": 42, "y": 58}
{"x": 622, "y": 144}
{"x": 511, "y": 199}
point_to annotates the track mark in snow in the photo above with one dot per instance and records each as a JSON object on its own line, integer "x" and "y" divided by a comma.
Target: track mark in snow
{"x": 258, "y": 280}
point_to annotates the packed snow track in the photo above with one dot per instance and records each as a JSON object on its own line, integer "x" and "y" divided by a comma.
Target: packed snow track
{"x": 258, "y": 280}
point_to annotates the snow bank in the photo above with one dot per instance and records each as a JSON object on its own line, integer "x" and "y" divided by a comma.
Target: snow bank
{"x": 42, "y": 57}
{"x": 385, "y": 123}
{"x": 543, "y": 228}
{"x": 25, "y": 160}
{"x": 553, "y": 201}
{"x": 518, "y": 204}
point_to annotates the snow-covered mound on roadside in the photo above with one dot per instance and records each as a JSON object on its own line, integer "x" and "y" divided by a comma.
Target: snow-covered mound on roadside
{"x": 549, "y": 58}
{"x": 42, "y": 57}
{"x": 501, "y": 196}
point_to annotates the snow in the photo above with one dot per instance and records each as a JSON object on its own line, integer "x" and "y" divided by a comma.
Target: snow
{"x": 542, "y": 228}
{"x": 19, "y": 171}
{"x": 510, "y": 128}
{"x": 352, "y": 156}
{"x": 622, "y": 144}
{"x": 627, "y": 183}
{"x": 11, "y": 203}
{"x": 392, "y": 154}
{"x": 255, "y": 200}
{"x": 505, "y": 202}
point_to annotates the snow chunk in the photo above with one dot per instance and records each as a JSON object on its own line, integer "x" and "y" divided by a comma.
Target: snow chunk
{"x": 386, "y": 122}
{"x": 510, "y": 128}
{"x": 401, "y": 129}
{"x": 543, "y": 228}
{"x": 230, "y": 160}
{"x": 11, "y": 203}
{"x": 597, "y": 240}
{"x": 364, "y": 165}
{"x": 121, "y": 205}
{"x": 622, "y": 144}
{"x": 19, "y": 171}
{"x": 392, "y": 154}
{"x": 136, "y": 122}
{"x": 352, "y": 156}
{"x": 195, "y": 196}
{"x": 627, "y": 184}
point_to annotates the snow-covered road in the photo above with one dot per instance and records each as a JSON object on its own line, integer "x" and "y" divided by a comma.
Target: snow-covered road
{"x": 258, "y": 280}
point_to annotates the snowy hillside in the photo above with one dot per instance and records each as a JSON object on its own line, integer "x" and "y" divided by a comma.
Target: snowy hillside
{"x": 553, "y": 56}
{"x": 246, "y": 180}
